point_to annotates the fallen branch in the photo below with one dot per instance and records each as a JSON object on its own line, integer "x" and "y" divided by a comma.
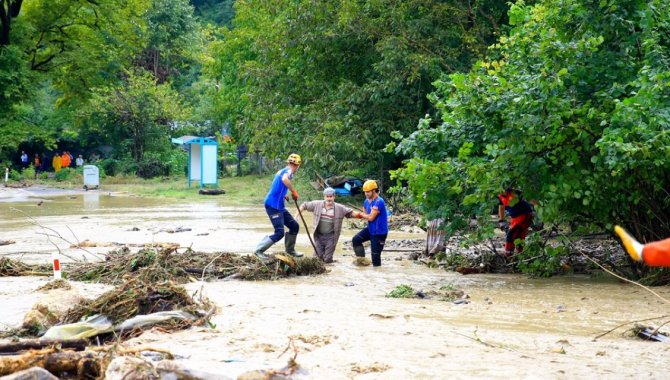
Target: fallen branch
{"x": 628, "y": 323}
{"x": 35, "y": 344}
{"x": 87, "y": 364}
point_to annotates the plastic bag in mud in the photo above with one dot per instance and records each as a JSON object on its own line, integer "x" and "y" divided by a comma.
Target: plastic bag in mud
{"x": 95, "y": 325}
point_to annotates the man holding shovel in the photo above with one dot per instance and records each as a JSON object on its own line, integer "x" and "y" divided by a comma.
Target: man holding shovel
{"x": 327, "y": 223}
{"x": 277, "y": 212}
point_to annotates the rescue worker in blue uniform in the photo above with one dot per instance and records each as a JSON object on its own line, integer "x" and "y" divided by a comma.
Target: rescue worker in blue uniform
{"x": 377, "y": 229}
{"x": 277, "y": 212}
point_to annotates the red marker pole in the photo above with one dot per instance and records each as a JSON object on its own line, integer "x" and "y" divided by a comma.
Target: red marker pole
{"x": 55, "y": 257}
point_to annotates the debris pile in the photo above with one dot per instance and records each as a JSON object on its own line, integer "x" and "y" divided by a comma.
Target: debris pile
{"x": 169, "y": 264}
{"x": 11, "y": 268}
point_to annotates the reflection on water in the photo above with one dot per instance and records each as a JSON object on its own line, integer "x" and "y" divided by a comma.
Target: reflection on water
{"x": 91, "y": 200}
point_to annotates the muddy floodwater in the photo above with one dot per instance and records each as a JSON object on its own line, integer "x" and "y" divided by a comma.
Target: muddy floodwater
{"x": 342, "y": 324}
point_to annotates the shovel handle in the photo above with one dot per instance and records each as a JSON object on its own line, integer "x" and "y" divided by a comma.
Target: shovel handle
{"x": 305, "y": 224}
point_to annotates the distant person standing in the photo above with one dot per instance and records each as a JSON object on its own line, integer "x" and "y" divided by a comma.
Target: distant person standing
{"x": 377, "y": 228}
{"x": 24, "y": 159}
{"x": 79, "y": 161}
{"x": 38, "y": 163}
{"x": 66, "y": 159}
{"x": 57, "y": 162}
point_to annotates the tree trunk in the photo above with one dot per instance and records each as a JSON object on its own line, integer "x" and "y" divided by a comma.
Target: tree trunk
{"x": 85, "y": 364}
{"x": 76, "y": 344}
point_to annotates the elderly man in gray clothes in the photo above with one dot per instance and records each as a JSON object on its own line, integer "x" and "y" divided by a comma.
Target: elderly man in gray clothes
{"x": 327, "y": 223}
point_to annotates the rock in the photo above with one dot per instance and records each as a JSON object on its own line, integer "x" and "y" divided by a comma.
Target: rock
{"x": 35, "y": 373}
{"x": 130, "y": 368}
{"x": 48, "y": 310}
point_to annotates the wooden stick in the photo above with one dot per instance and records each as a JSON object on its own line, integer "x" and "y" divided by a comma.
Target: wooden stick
{"x": 305, "y": 224}
{"x": 34, "y": 344}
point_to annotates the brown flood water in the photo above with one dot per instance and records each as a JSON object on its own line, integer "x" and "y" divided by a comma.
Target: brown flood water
{"x": 341, "y": 323}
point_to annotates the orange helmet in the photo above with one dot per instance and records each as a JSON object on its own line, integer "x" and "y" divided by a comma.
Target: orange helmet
{"x": 370, "y": 185}
{"x": 294, "y": 159}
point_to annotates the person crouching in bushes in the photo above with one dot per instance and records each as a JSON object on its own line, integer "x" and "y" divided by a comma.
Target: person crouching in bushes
{"x": 511, "y": 202}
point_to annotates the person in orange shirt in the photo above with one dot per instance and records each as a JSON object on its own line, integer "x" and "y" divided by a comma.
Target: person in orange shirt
{"x": 65, "y": 158}
{"x": 654, "y": 254}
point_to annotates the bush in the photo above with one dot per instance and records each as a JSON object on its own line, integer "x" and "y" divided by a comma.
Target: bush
{"x": 65, "y": 174}
{"x": 110, "y": 166}
{"x": 28, "y": 172}
{"x": 401, "y": 291}
{"x": 151, "y": 168}
{"x": 15, "y": 175}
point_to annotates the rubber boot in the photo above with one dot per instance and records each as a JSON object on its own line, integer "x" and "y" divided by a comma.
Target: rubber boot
{"x": 376, "y": 259}
{"x": 359, "y": 250}
{"x": 262, "y": 247}
{"x": 289, "y": 241}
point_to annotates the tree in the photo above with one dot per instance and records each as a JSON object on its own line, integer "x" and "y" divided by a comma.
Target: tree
{"x": 573, "y": 106}
{"x": 137, "y": 115}
{"x": 332, "y": 79}
{"x": 9, "y": 9}
{"x": 170, "y": 37}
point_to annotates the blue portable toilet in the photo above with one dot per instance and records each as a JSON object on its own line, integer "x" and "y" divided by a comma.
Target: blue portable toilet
{"x": 203, "y": 163}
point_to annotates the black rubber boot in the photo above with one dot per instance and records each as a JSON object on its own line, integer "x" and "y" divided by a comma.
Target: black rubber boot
{"x": 359, "y": 250}
{"x": 376, "y": 259}
{"x": 289, "y": 241}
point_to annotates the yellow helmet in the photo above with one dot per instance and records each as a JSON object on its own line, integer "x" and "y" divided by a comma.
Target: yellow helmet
{"x": 294, "y": 159}
{"x": 370, "y": 185}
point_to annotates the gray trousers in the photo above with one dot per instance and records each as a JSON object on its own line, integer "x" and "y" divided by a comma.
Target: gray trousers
{"x": 325, "y": 246}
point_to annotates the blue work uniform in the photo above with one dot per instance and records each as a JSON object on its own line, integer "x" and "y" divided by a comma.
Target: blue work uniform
{"x": 376, "y": 231}
{"x": 275, "y": 208}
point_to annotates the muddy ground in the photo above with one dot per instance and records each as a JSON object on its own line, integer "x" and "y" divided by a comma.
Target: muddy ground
{"x": 342, "y": 323}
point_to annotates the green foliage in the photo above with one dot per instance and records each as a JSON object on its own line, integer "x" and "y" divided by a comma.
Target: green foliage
{"x": 136, "y": 115}
{"x": 539, "y": 259}
{"x": 572, "y": 106}
{"x": 218, "y": 12}
{"x": 28, "y": 173}
{"x": 171, "y": 36}
{"x": 150, "y": 168}
{"x": 15, "y": 175}
{"x": 332, "y": 79}
{"x": 109, "y": 166}
{"x": 66, "y": 174}
{"x": 401, "y": 291}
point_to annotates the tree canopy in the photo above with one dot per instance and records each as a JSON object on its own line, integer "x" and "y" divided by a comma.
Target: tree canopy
{"x": 332, "y": 79}
{"x": 572, "y": 106}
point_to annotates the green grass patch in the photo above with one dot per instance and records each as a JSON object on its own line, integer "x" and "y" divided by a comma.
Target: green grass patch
{"x": 402, "y": 291}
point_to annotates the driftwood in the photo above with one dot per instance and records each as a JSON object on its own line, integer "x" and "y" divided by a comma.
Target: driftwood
{"x": 7, "y": 242}
{"x": 85, "y": 364}
{"x": 37, "y": 344}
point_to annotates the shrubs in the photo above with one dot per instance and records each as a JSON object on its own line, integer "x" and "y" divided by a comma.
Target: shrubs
{"x": 152, "y": 168}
